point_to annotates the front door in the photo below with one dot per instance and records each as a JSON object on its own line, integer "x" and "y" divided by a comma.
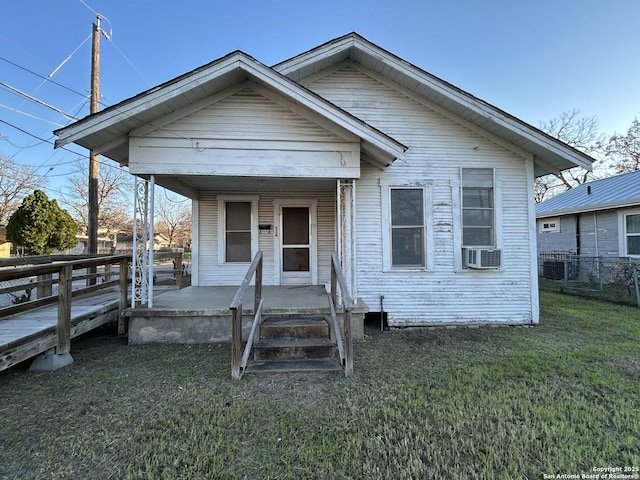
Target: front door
{"x": 296, "y": 245}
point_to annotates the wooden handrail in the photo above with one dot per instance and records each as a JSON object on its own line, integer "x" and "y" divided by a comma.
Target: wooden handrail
{"x": 31, "y": 271}
{"x": 253, "y": 335}
{"x": 66, "y": 293}
{"x": 337, "y": 279}
{"x": 236, "y": 315}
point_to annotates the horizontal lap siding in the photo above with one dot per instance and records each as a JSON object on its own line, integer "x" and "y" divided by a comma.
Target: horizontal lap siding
{"x": 564, "y": 240}
{"x": 599, "y": 234}
{"x": 213, "y": 273}
{"x": 438, "y": 147}
{"x": 246, "y": 134}
{"x": 229, "y": 119}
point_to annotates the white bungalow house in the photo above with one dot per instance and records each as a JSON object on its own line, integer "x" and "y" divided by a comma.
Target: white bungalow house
{"x": 424, "y": 190}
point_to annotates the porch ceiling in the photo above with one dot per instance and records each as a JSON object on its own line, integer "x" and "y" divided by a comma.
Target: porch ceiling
{"x": 191, "y": 185}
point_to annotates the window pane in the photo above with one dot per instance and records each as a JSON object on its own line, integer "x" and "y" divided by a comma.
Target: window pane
{"x": 477, "y": 218}
{"x": 633, "y": 223}
{"x": 478, "y": 207}
{"x": 295, "y": 226}
{"x": 407, "y": 246}
{"x": 477, "y": 177}
{"x": 477, "y": 236}
{"x": 633, "y": 245}
{"x": 295, "y": 259}
{"x": 238, "y": 215}
{"x": 477, "y": 197}
{"x": 238, "y": 246}
{"x": 407, "y": 207}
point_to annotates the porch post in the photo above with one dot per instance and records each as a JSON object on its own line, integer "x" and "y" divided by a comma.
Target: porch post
{"x": 140, "y": 257}
{"x": 150, "y": 216}
{"x": 346, "y": 233}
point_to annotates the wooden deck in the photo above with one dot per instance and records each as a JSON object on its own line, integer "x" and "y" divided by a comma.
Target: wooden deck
{"x": 27, "y": 334}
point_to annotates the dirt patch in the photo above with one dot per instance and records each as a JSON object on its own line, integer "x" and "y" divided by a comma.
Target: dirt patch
{"x": 300, "y": 389}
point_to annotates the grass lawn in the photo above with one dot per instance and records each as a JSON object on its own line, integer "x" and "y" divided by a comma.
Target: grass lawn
{"x": 487, "y": 403}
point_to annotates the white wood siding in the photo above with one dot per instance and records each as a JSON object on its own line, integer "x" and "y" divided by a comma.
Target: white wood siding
{"x": 213, "y": 272}
{"x": 245, "y": 134}
{"x": 438, "y": 147}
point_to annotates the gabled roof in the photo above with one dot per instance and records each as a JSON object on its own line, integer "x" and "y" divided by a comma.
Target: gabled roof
{"x": 550, "y": 154}
{"x": 107, "y": 132}
{"x": 613, "y": 192}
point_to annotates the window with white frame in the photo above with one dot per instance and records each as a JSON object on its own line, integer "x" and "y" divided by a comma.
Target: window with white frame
{"x": 478, "y": 207}
{"x": 632, "y": 234}
{"x": 549, "y": 225}
{"x": 407, "y": 223}
{"x": 237, "y": 228}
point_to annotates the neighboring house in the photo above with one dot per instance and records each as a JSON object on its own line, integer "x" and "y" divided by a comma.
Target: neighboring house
{"x": 596, "y": 219}
{"x": 160, "y": 241}
{"x": 425, "y": 191}
{"x": 105, "y": 245}
{"x": 124, "y": 242}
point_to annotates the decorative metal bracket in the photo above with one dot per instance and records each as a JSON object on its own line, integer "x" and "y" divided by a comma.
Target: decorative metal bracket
{"x": 142, "y": 263}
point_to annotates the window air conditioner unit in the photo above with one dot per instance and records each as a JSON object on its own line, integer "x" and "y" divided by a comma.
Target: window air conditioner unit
{"x": 484, "y": 258}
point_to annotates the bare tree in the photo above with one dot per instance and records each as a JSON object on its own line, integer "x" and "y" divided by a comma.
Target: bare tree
{"x": 624, "y": 150}
{"x": 113, "y": 210}
{"x": 580, "y": 133}
{"x": 173, "y": 217}
{"x": 15, "y": 184}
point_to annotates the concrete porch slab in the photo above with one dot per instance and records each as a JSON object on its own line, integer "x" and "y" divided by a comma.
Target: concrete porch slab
{"x": 202, "y": 314}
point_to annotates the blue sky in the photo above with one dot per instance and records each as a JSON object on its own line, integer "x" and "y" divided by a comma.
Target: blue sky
{"x": 533, "y": 59}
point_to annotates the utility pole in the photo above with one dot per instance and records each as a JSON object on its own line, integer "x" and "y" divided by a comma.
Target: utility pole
{"x": 93, "y": 159}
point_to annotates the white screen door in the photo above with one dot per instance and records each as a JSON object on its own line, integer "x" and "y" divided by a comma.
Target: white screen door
{"x": 296, "y": 246}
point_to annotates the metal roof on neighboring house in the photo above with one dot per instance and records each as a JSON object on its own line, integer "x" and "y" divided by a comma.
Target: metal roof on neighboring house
{"x": 612, "y": 192}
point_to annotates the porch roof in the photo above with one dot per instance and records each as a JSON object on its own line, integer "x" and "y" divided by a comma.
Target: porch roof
{"x": 107, "y": 132}
{"x": 549, "y": 154}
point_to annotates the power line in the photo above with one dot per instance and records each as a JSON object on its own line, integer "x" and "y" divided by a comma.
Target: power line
{"x": 130, "y": 63}
{"x": 30, "y": 116}
{"x": 34, "y": 99}
{"x": 84, "y": 95}
{"x": 6, "y": 139}
{"x": 38, "y": 138}
{"x": 91, "y": 9}
{"x": 81, "y": 156}
{"x": 67, "y": 58}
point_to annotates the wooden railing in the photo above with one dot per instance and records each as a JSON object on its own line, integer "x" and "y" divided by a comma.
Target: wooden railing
{"x": 239, "y": 358}
{"x": 176, "y": 259}
{"x": 45, "y": 274}
{"x": 345, "y": 346}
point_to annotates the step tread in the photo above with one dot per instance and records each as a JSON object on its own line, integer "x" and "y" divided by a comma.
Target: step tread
{"x": 276, "y": 366}
{"x": 294, "y": 321}
{"x": 293, "y": 342}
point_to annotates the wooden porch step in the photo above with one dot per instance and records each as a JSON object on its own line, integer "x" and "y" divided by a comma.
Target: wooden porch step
{"x": 289, "y": 366}
{"x": 294, "y": 349}
{"x": 295, "y": 327}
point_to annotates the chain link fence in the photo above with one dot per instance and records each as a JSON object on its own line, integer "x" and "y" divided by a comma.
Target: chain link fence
{"x": 608, "y": 278}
